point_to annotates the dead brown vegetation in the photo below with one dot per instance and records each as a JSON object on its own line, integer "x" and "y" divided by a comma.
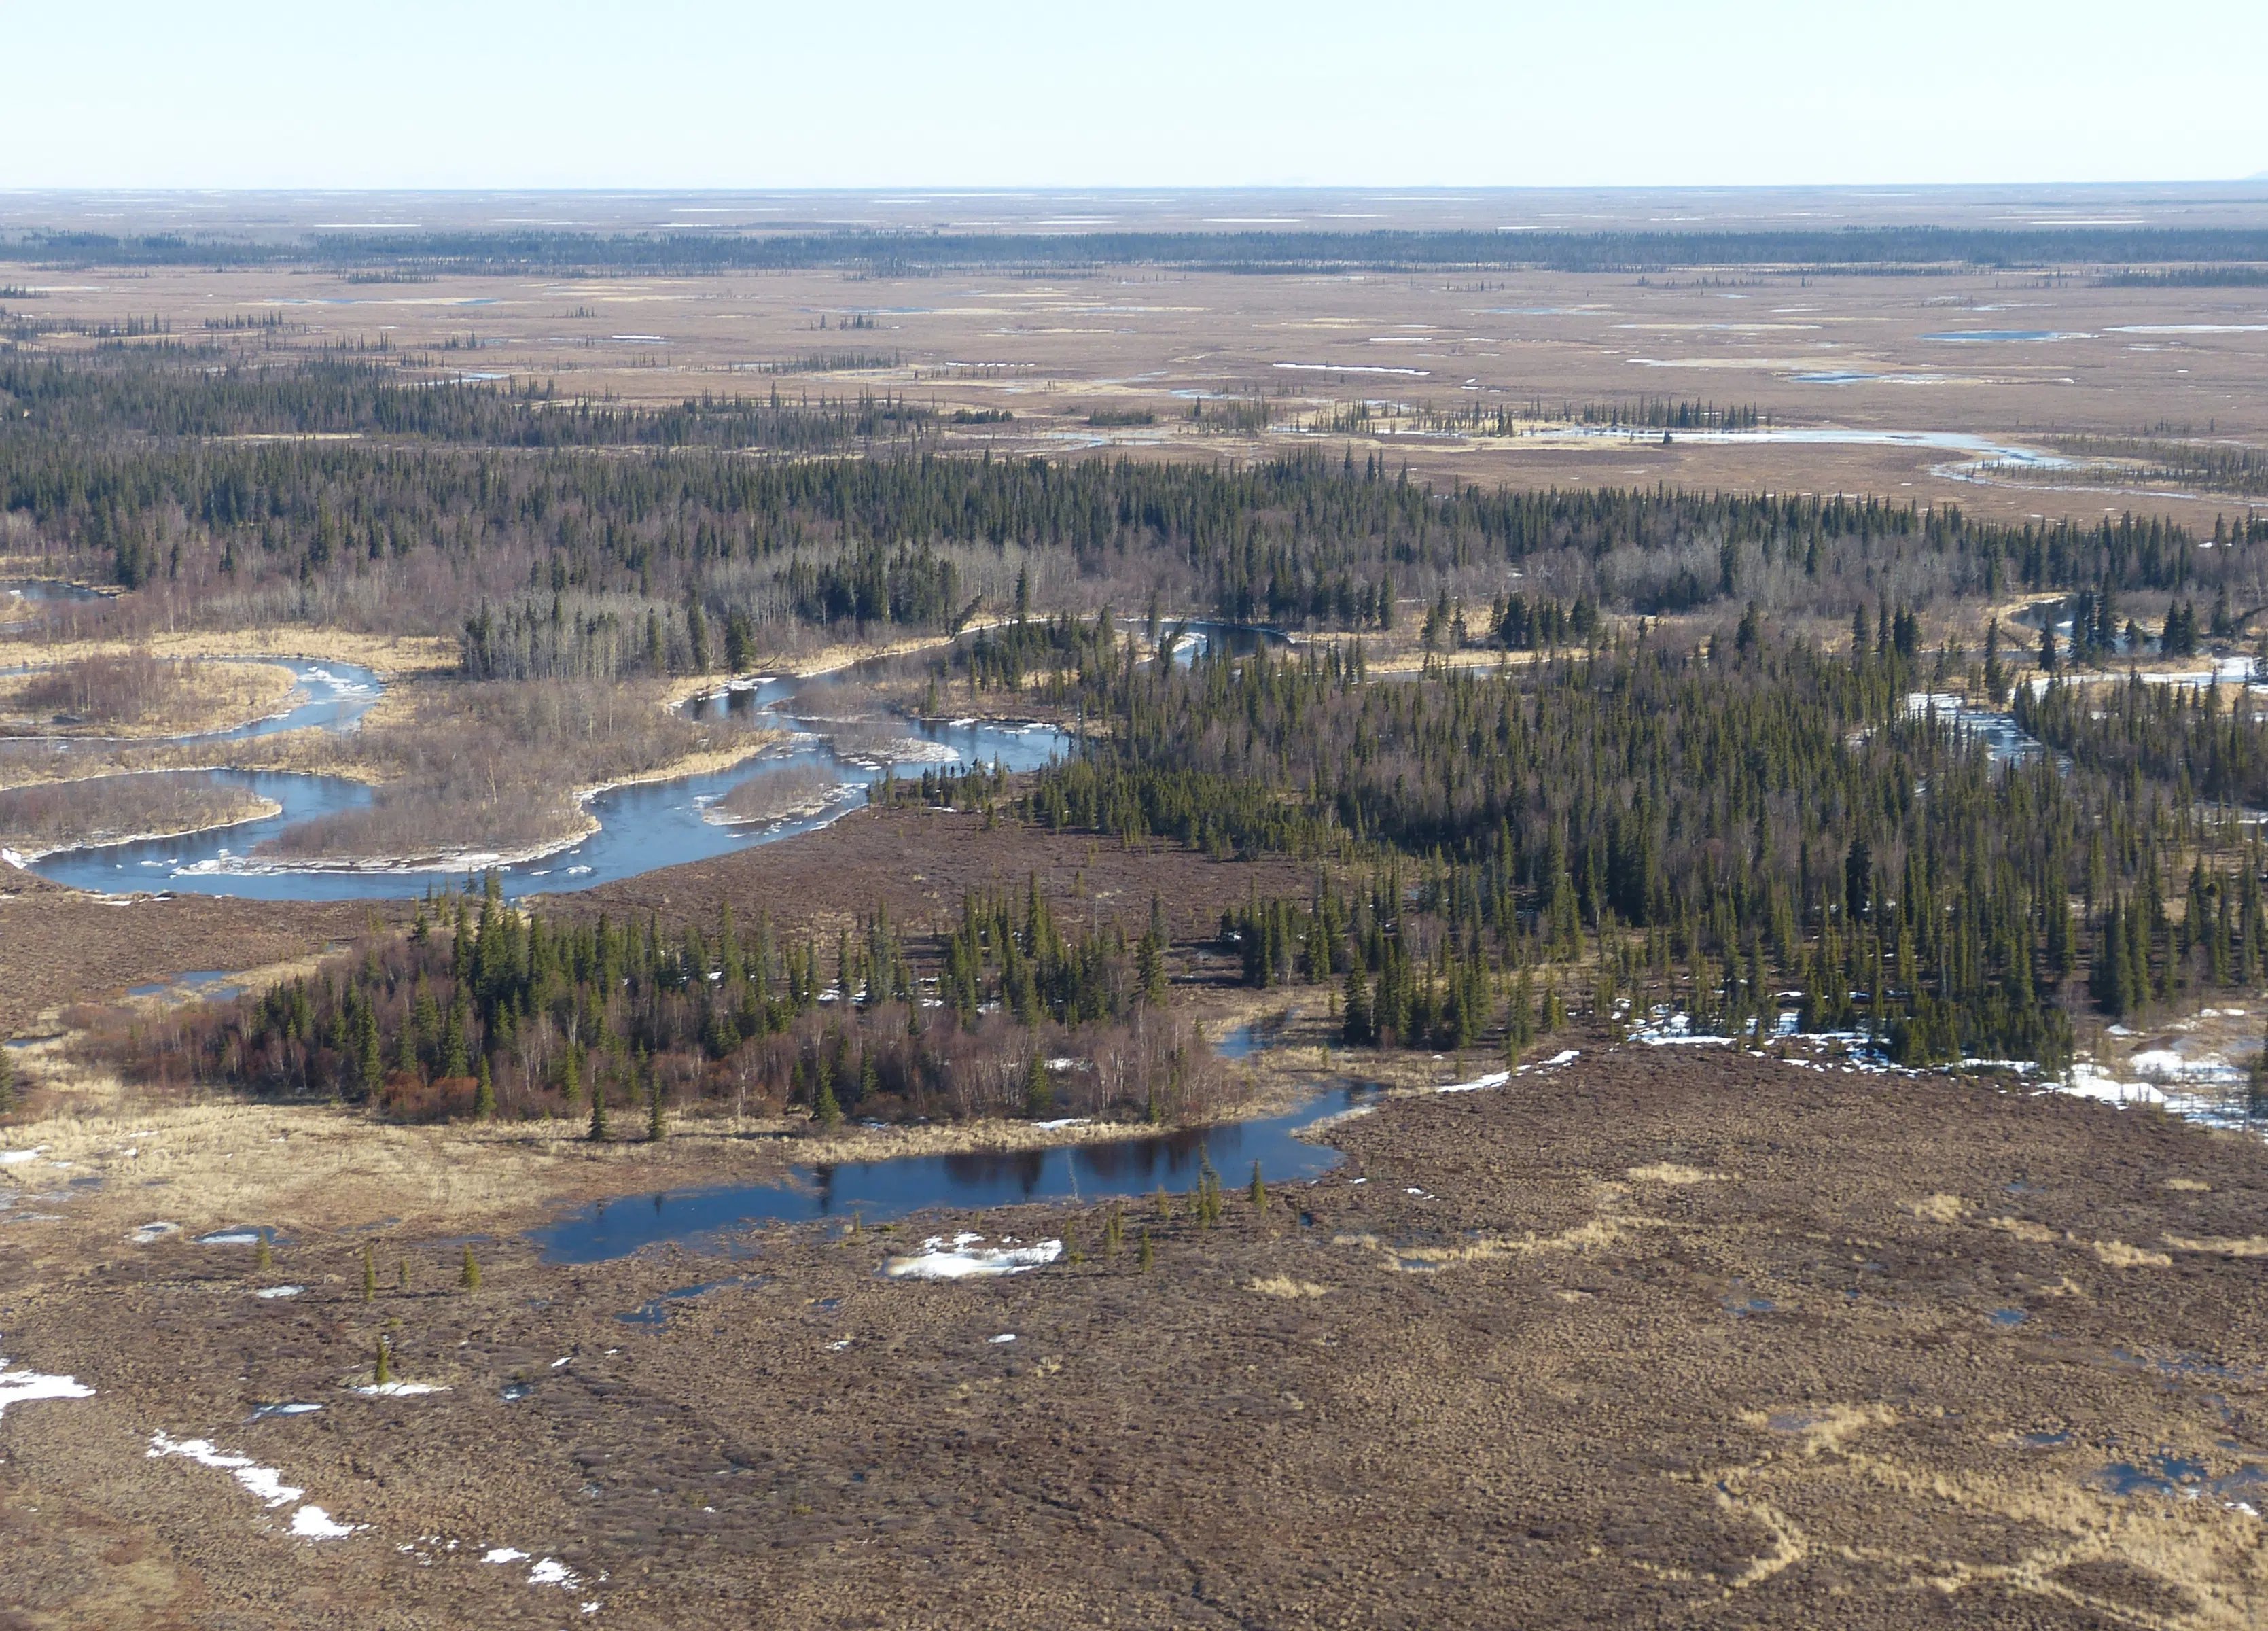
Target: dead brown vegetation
{"x": 497, "y": 766}
{"x": 792, "y": 790}
{"x": 107, "y": 809}
{"x": 135, "y": 692}
{"x": 1781, "y": 1397}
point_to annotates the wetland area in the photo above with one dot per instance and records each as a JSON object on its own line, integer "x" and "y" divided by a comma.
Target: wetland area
{"x": 710, "y": 928}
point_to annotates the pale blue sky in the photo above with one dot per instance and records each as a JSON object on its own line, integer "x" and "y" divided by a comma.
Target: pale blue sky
{"x": 683, "y": 93}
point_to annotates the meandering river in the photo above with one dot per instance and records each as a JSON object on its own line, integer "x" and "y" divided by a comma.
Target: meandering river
{"x": 641, "y": 827}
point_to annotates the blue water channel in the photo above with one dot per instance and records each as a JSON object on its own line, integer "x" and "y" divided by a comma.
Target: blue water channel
{"x": 640, "y": 828}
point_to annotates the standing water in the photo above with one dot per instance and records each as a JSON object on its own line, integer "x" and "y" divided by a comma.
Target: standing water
{"x": 882, "y": 1192}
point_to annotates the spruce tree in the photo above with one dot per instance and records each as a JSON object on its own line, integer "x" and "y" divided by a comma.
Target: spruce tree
{"x": 484, "y": 1094}
{"x": 597, "y": 1108}
{"x": 1259, "y": 1189}
{"x": 401, "y": 1275}
{"x": 1355, "y": 1027}
{"x": 382, "y": 1372}
{"x": 1520, "y": 1028}
{"x": 1149, "y": 1255}
{"x": 454, "y": 1059}
{"x": 1039, "y": 1096}
{"x": 369, "y": 1062}
{"x": 263, "y": 1257}
{"x": 656, "y": 1127}
{"x": 469, "y": 1276}
{"x": 825, "y": 1111}
{"x": 369, "y": 1276}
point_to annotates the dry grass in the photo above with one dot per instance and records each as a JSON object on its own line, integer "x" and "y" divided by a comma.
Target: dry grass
{"x": 390, "y": 657}
{"x": 316, "y": 1166}
{"x": 2119, "y": 1254}
{"x": 2223, "y": 1246}
{"x": 134, "y": 693}
{"x": 1671, "y": 1173}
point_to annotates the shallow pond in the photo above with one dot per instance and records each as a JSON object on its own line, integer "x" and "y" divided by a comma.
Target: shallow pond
{"x": 883, "y": 1192}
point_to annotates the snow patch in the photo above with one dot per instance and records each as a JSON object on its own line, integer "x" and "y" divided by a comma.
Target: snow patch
{"x": 312, "y": 1523}
{"x": 270, "y": 1293}
{"x": 265, "y": 1484}
{"x": 969, "y": 1262}
{"x": 19, "y": 1387}
{"x": 2089, "y": 1081}
{"x": 1672, "y": 1028}
{"x": 1494, "y": 1079}
{"x": 400, "y": 1389}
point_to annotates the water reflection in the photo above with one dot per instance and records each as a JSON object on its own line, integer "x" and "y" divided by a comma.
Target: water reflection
{"x": 880, "y": 1192}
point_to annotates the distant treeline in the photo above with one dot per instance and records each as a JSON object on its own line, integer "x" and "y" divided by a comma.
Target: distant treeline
{"x": 214, "y": 392}
{"x": 1304, "y": 539}
{"x": 2191, "y": 277}
{"x": 558, "y": 253}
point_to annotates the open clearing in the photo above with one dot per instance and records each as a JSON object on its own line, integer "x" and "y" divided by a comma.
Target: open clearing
{"x": 1864, "y": 353}
{"x": 1671, "y": 1334}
